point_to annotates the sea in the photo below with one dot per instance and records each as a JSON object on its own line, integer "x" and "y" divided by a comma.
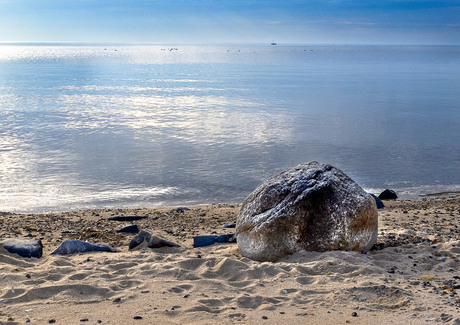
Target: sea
{"x": 142, "y": 126}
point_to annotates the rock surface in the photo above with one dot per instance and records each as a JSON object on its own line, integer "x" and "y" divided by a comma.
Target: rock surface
{"x": 144, "y": 238}
{"x": 75, "y": 246}
{"x": 23, "y": 247}
{"x": 388, "y": 195}
{"x": 314, "y": 207}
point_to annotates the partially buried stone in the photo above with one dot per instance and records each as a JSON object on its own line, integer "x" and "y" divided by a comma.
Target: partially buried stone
{"x": 75, "y": 246}
{"x": 388, "y": 195}
{"x": 151, "y": 241}
{"x": 156, "y": 242}
{"x": 23, "y": 247}
{"x": 133, "y": 229}
{"x": 204, "y": 240}
{"x": 314, "y": 207}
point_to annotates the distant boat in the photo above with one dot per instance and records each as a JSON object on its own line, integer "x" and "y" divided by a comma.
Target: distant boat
{"x": 273, "y": 43}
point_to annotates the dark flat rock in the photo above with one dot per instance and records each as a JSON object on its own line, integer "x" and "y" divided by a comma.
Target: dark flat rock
{"x": 229, "y": 225}
{"x": 127, "y": 218}
{"x": 24, "y": 247}
{"x": 152, "y": 242}
{"x": 75, "y": 246}
{"x": 228, "y": 238}
{"x": 133, "y": 229}
{"x": 156, "y": 242}
{"x": 207, "y": 240}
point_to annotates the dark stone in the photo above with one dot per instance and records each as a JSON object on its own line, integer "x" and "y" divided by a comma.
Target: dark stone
{"x": 155, "y": 242}
{"x": 378, "y": 202}
{"x": 24, "y": 247}
{"x": 230, "y": 238}
{"x": 127, "y": 218}
{"x": 75, "y": 246}
{"x": 206, "y": 240}
{"x": 152, "y": 242}
{"x": 133, "y": 229}
{"x": 139, "y": 239}
{"x": 181, "y": 209}
{"x": 388, "y": 195}
{"x": 229, "y": 225}
{"x": 314, "y": 207}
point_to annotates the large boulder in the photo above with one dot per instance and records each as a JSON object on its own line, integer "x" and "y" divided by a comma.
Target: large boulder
{"x": 314, "y": 207}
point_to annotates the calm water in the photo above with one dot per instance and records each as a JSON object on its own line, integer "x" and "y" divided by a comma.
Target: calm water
{"x": 143, "y": 126}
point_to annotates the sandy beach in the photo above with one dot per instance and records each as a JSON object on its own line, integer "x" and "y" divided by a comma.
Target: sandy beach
{"x": 412, "y": 276}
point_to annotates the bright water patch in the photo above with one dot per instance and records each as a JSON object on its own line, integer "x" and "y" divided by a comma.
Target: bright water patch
{"x": 139, "y": 126}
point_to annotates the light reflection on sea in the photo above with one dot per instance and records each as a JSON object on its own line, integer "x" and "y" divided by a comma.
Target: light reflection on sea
{"x": 94, "y": 126}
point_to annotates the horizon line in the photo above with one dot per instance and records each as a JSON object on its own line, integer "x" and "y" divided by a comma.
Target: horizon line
{"x": 76, "y": 43}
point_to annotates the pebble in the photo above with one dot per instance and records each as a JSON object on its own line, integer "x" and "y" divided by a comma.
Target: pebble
{"x": 137, "y": 317}
{"x": 354, "y": 314}
{"x": 264, "y": 317}
{"x": 52, "y": 321}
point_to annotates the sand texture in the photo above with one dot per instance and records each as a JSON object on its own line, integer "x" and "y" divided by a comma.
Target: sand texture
{"x": 411, "y": 277}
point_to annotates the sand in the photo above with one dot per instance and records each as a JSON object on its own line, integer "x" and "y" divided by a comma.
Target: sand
{"x": 411, "y": 277}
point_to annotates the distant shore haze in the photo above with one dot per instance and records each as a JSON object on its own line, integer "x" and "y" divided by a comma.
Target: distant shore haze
{"x": 313, "y": 207}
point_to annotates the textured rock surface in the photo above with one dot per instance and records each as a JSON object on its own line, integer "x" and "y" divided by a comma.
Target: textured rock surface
{"x": 75, "y": 246}
{"x": 388, "y": 195}
{"x": 23, "y": 247}
{"x": 315, "y": 207}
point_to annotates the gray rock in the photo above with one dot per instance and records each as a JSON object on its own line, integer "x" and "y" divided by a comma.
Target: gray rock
{"x": 75, "y": 246}
{"x": 23, "y": 247}
{"x": 156, "y": 242}
{"x": 314, "y": 207}
{"x": 132, "y": 229}
{"x": 151, "y": 241}
{"x": 141, "y": 237}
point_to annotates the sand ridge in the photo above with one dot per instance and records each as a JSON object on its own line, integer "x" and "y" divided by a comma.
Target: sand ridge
{"x": 411, "y": 277}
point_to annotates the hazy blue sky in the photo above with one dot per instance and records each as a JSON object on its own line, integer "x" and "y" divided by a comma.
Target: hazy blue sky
{"x": 232, "y": 21}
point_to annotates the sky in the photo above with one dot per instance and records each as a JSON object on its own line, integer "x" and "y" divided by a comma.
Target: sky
{"x": 232, "y": 21}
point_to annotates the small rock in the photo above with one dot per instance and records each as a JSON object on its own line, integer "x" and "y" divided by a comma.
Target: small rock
{"x": 133, "y": 229}
{"x": 74, "y": 246}
{"x": 141, "y": 237}
{"x": 52, "y": 321}
{"x": 137, "y": 317}
{"x": 388, "y": 195}
{"x": 354, "y": 314}
{"x": 264, "y": 317}
{"x": 229, "y": 225}
{"x": 127, "y": 218}
{"x": 181, "y": 209}
{"x": 156, "y": 242}
{"x": 23, "y": 247}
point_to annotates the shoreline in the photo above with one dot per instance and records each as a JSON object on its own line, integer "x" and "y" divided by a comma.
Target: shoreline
{"x": 411, "y": 276}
